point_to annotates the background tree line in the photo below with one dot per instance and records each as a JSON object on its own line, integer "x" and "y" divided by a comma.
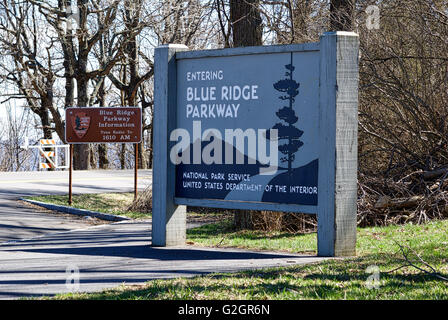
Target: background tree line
{"x": 104, "y": 57}
{"x": 57, "y": 54}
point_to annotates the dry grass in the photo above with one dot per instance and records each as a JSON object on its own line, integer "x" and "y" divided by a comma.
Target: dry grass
{"x": 143, "y": 203}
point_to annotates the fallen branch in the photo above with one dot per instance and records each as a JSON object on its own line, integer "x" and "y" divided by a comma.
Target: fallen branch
{"x": 402, "y": 203}
{"x": 433, "y": 271}
{"x": 431, "y": 175}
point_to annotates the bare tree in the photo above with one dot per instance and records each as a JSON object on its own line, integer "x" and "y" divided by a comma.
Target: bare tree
{"x": 131, "y": 79}
{"x": 403, "y": 113}
{"x": 16, "y": 127}
{"x": 342, "y": 15}
{"x": 179, "y": 21}
{"x": 29, "y": 63}
{"x": 94, "y": 19}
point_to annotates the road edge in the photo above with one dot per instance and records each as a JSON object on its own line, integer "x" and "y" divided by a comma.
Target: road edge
{"x": 76, "y": 211}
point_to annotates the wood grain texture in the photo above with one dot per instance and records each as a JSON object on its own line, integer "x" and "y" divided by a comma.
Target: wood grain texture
{"x": 301, "y": 47}
{"x": 168, "y": 219}
{"x": 338, "y": 160}
{"x": 246, "y": 205}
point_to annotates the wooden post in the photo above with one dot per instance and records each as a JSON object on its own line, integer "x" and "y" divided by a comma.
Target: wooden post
{"x": 168, "y": 219}
{"x": 136, "y": 172}
{"x": 338, "y": 154}
{"x": 70, "y": 177}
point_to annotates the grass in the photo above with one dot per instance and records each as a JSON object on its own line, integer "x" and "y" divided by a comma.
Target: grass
{"x": 111, "y": 203}
{"x": 332, "y": 279}
{"x": 221, "y": 234}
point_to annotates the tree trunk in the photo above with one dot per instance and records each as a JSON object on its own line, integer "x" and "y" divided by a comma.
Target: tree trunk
{"x": 123, "y": 156}
{"x": 247, "y": 31}
{"x": 45, "y": 119}
{"x": 46, "y": 124}
{"x": 142, "y": 155}
{"x": 81, "y": 159}
{"x": 147, "y": 106}
{"x": 103, "y": 160}
{"x": 132, "y": 22}
{"x": 69, "y": 70}
{"x": 246, "y": 23}
{"x": 151, "y": 139}
{"x": 81, "y": 152}
{"x": 93, "y": 160}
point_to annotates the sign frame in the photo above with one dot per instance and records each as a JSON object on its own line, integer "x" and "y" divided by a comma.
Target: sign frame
{"x": 95, "y": 109}
{"x": 338, "y": 159}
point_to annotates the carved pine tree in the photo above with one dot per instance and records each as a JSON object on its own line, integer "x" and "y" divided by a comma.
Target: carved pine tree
{"x": 286, "y": 129}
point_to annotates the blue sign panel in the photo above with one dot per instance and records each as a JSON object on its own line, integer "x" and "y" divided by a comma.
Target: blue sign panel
{"x": 247, "y": 128}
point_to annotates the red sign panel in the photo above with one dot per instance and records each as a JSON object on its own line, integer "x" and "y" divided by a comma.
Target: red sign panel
{"x": 103, "y": 125}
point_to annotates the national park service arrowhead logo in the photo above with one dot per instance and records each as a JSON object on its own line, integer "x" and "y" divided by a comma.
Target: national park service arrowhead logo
{"x": 80, "y": 124}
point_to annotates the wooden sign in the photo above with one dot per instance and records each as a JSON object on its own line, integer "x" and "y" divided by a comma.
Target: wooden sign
{"x": 269, "y": 128}
{"x": 103, "y": 125}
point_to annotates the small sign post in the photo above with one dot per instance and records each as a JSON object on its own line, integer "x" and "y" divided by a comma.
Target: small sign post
{"x": 103, "y": 125}
{"x": 70, "y": 178}
{"x": 259, "y": 128}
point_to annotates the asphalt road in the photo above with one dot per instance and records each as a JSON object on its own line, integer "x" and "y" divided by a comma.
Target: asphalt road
{"x": 20, "y": 221}
{"x": 45, "y": 253}
{"x": 17, "y": 184}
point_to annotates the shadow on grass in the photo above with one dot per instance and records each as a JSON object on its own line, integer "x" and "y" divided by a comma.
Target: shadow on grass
{"x": 291, "y": 285}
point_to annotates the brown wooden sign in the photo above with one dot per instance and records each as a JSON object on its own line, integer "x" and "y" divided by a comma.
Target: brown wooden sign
{"x": 103, "y": 125}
